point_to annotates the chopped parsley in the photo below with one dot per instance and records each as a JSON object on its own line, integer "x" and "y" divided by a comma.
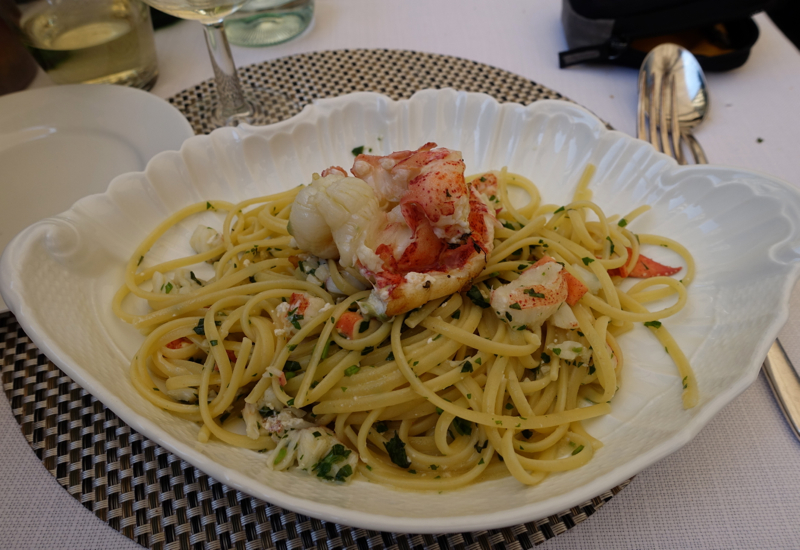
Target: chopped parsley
{"x": 545, "y": 358}
{"x": 587, "y": 261}
{"x": 557, "y": 351}
{"x": 515, "y": 305}
{"x": 467, "y": 367}
{"x": 209, "y": 206}
{"x": 294, "y": 318}
{"x": 358, "y": 150}
{"x": 463, "y": 427}
{"x": 509, "y": 406}
{"x": 477, "y": 298}
{"x": 612, "y": 245}
{"x": 281, "y": 455}
{"x": 195, "y": 279}
{"x": 559, "y": 210}
{"x": 363, "y": 326}
{"x": 381, "y": 427}
{"x": 623, "y": 222}
{"x": 654, "y": 324}
{"x": 577, "y": 450}
{"x": 533, "y": 293}
{"x": 213, "y": 342}
{"x": 685, "y": 382}
{"x": 337, "y": 454}
{"x": 167, "y": 288}
{"x": 390, "y": 357}
{"x": 397, "y": 451}
{"x": 351, "y": 370}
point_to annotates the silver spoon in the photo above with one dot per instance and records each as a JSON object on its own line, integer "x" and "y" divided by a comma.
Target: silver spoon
{"x": 676, "y": 65}
{"x": 671, "y": 76}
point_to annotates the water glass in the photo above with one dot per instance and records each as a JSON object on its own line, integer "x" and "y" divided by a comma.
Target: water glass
{"x": 92, "y": 41}
{"x": 268, "y": 22}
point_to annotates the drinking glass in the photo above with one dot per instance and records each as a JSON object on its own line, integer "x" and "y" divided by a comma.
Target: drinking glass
{"x": 232, "y": 107}
{"x": 92, "y": 41}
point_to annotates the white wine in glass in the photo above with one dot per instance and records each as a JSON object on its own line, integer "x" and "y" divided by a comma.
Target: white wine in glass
{"x": 233, "y": 107}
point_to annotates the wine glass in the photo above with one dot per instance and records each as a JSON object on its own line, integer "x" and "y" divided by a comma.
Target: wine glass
{"x": 232, "y": 107}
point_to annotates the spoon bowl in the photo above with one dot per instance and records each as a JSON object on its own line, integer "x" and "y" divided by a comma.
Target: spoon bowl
{"x": 674, "y": 64}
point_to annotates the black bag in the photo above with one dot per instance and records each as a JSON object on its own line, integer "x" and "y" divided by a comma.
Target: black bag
{"x": 719, "y": 33}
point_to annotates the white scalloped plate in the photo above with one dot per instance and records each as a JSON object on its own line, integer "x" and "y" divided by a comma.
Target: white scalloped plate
{"x": 58, "y": 277}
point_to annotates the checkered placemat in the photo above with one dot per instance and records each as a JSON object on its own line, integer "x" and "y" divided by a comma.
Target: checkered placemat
{"x": 161, "y": 501}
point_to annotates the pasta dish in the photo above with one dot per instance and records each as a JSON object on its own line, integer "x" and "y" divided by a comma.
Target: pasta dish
{"x": 405, "y": 324}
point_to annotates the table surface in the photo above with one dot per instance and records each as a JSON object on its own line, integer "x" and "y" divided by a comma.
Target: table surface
{"x": 736, "y": 484}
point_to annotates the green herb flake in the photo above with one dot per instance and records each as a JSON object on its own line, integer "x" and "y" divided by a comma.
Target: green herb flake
{"x": 397, "y": 451}
{"x": 622, "y": 223}
{"x": 167, "y": 288}
{"x": 457, "y": 314}
{"x": 140, "y": 260}
{"x": 577, "y": 450}
{"x": 478, "y": 361}
{"x": 344, "y": 472}
{"x": 591, "y": 370}
{"x": 316, "y": 434}
{"x": 209, "y": 206}
{"x": 381, "y": 427}
{"x": 213, "y": 342}
{"x": 559, "y": 210}
{"x": 587, "y": 261}
{"x": 363, "y": 326}
{"x": 685, "y": 382}
{"x": 281, "y": 455}
{"x": 509, "y": 406}
{"x": 434, "y": 467}
{"x": 654, "y": 324}
{"x": 477, "y": 298}
{"x": 612, "y": 245}
{"x": 367, "y": 350}
{"x": 390, "y": 357}
{"x": 466, "y": 367}
{"x": 358, "y": 150}
{"x": 463, "y": 427}
{"x": 291, "y": 366}
{"x": 532, "y": 293}
{"x": 515, "y": 305}
{"x": 337, "y": 454}
{"x": 557, "y": 351}
{"x": 351, "y": 370}
{"x": 481, "y": 462}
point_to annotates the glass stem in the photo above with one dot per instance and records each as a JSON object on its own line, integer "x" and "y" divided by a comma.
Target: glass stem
{"x": 229, "y": 89}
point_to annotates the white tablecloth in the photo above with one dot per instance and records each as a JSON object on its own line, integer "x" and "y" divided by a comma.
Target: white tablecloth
{"x": 737, "y": 484}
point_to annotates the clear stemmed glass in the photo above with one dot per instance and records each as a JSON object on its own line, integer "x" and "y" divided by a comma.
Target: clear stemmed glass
{"x": 233, "y": 106}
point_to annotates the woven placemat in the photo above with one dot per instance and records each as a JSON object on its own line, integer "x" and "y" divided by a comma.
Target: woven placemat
{"x": 154, "y": 497}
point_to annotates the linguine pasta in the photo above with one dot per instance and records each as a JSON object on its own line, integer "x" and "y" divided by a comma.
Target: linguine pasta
{"x": 272, "y": 353}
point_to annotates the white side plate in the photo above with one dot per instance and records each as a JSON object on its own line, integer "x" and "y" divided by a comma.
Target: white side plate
{"x": 59, "y": 276}
{"x": 63, "y": 143}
